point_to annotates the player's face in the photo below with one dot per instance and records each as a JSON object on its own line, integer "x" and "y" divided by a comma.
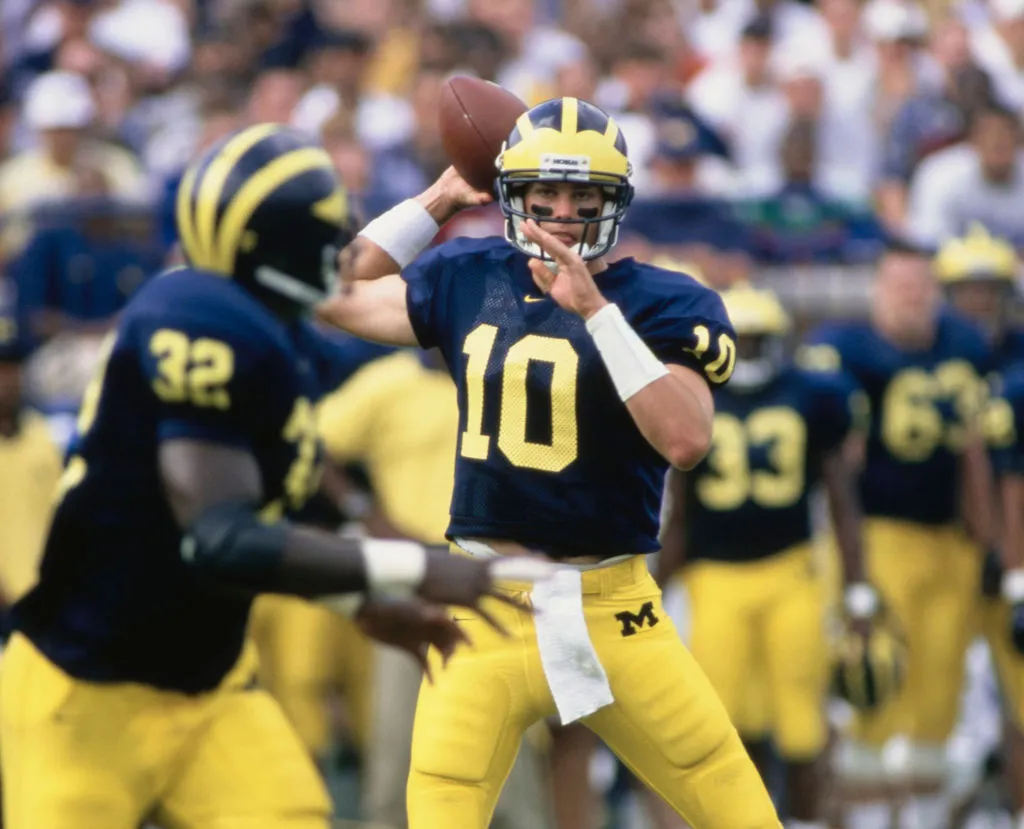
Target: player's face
{"x": 565, "y": 202}
{"x": 984, "y": 302}
{"x": 906, "y": 297}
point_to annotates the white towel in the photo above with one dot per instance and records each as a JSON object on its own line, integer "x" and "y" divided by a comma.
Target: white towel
{"x": 575, "y": 675}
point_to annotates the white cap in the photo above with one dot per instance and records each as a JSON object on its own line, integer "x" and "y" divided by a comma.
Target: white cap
{"x": 889, "y": 20}
{"x": 59, "y": 100}
{"x": 143, "y": 31}
{"x": 1004, "y": 10}
{"x": 792, "y": 61}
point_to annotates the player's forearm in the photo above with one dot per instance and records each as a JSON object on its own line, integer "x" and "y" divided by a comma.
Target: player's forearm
{"x": 979, "y": 493}
{"x": 1012, "y": 492}
{"x": 673, "y": 419}
{"x": 372, "y": 310}
{"x": 671, "y": 405}
{"x": 673, "y": 537}
{"x": 839, "y": 474}
{"x": 394, "y": 239}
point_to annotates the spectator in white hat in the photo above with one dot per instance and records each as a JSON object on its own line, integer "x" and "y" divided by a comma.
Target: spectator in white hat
{"x": 59, "y": 109}
{"x": 999, "y": 50}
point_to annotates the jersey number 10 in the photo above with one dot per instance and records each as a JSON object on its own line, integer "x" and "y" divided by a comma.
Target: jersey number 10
{"x": 512, "y": 442}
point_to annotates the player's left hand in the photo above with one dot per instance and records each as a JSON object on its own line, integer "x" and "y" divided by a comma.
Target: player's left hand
{"x": 570, "y": 284}
{"x": 412, "y": 626}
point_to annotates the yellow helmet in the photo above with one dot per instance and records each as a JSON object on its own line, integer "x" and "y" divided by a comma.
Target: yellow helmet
{"x": 976, "y": 256}
{"x": 565, "y": 139}
{"x": 755, "y": 311}
{"x": 869, "y": 671}
{"x": 761, "y": 324}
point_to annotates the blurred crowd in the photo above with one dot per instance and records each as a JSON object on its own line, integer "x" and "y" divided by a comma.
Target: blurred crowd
{"x": 763, "y": 133}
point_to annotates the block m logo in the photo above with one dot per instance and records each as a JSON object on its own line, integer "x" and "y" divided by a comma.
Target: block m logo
{"x": 631, "y": 621}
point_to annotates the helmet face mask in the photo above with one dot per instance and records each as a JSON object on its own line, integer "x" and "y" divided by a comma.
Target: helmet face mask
{"x": 565, "y": 141}
{"x": 761, "y": 325}
{"x": 985, "y": 300}
{"x": 759, "y": 360}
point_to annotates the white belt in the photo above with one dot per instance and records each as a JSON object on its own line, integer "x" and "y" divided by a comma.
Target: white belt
{"x": 575, "y": 675}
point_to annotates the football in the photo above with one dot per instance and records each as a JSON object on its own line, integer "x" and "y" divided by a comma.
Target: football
{"x": 475, "y": 119}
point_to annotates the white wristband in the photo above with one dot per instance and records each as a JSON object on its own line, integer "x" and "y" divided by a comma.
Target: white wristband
{"x": 630, "y": 363}
{"x": 1013, "y": 586}
{"x": 403, "y": 231}
{"x": 394, "y": 569}
{"x": 861, "y": 600}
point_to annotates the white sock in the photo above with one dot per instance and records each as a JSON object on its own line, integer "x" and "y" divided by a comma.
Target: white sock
{"x": 806, "y": 824}
{"x": 870, "y": 815}
{"x": 925, "y": 811}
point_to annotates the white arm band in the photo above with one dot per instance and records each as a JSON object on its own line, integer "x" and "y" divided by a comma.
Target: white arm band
{"x": 394, "y": 569}
{"x": 403, "y": 231}
{"x": 630, "y": 363}
{"x": 1013, "y": 586}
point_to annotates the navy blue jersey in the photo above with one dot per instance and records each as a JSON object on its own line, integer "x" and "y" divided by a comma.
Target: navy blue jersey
{"x": 548, "y": 455}
{"x": 920, "y": 402}
{"x": 1004, "y": 423}
{"x": 193, "y": 356}
{"x": 1009, "y": 351}
{"x": 748, "y": 499}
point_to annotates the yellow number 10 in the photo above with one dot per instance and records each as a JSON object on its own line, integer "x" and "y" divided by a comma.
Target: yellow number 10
{"x": 547, "y": 457}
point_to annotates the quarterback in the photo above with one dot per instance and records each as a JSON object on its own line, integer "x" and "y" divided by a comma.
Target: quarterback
{"x": 126, "y": 695}
{"x": 579, "y": 382}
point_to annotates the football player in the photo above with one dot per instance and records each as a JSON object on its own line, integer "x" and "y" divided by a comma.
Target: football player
{"x": 125, "y": 694}
{"x": 579, "y": 382}
{"x": 920, "y": 366}
{"x": 978, "y": 273}
{"x": 1004, "y": 613}
{"x": 741, "y": 524}
{"x": 408, "y": 452}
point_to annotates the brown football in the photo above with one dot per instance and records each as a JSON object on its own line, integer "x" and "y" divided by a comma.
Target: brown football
{"x": 475, "y": 118}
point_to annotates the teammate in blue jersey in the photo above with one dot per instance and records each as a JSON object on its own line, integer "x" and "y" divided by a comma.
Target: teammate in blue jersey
{"x": 579, "y": 383}
{"x": 126, "y": 696}
{"x": 925, "y": 466}
{"x": 978, "y": 273}
{"x": 740, "y": 523}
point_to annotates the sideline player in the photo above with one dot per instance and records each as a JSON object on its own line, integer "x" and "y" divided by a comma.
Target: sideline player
{"x": 978, "y": 273}
{"x": 920, "y": 366}
{"x": 579, "y": 382}
{"x": 124, "y": 694}
{"x": 741, "y": 527}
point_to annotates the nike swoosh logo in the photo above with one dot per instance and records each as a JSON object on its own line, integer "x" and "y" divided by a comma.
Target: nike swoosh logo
{"x": 534, "y": 298}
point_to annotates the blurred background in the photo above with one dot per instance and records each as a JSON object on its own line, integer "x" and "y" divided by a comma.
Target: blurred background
{"x": 773, "y": 140}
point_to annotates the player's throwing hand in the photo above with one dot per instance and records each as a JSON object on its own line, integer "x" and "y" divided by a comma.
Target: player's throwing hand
{"x": 570, "y": 284}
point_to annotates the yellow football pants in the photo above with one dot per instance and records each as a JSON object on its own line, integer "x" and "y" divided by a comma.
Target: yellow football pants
{"x": 666, "y": 723}
{"x": 758, "y": 631}
{"x": 306, "y": 653}
{"x": 1009, "y": 664}
{"x": 929, "y": 577}
{"x": 85, "y": 755}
